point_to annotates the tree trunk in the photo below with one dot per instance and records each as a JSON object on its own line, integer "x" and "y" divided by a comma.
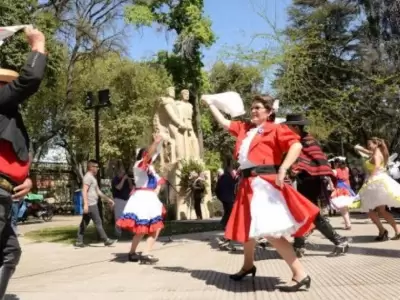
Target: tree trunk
{"x": 197, "y": 120}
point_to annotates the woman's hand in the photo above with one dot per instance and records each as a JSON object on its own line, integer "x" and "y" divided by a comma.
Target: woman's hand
{"x": 218, "y": 116}
{"x": 358, "y": 147}
{"x": 157, "y": 138}
{"x": 280, "y": 179}
{"x": 205, "y": 99}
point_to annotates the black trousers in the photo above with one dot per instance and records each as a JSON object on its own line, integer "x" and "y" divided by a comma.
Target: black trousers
{"x": 197, "y": 207}
{"x": 10, "y": 251}
{"x": 227, "y": 212}
{"x": 311, "y": 187}
{"x": 94, "y": 215}
{"x": 100, "y": 207}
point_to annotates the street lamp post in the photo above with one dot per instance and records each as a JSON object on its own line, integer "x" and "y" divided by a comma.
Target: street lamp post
{"x": 103, "y": 100}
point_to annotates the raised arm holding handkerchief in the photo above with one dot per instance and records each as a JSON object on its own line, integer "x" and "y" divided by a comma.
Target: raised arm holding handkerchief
{"x": 14, "y": 142}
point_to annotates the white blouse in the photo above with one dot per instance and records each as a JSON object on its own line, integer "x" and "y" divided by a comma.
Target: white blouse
{"x": 244, "y": 162}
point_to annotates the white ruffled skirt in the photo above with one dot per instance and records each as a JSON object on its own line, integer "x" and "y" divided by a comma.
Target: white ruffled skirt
{"x": 143, "y": 213}
{"x": 379, "y": 190}
{"x": 270, "y": 215}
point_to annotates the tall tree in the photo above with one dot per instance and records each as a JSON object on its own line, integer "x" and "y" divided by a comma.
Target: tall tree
{"x": 185, "y": 18}
{"x": 321, "y": 66}
{"x": 40, "y": 109}
{"x": 90, "y": 29}
{"x": 245, "y": 80}
{"x": 340, "y": 66}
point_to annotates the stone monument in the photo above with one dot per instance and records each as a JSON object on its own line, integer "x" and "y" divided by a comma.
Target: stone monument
{"x": 169, "y": 124}
{"x": 173, "y": 120}
{"x": 192, "y": 150}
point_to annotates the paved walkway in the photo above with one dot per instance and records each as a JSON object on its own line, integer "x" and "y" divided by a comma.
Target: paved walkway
{"x": 190, "y": 268}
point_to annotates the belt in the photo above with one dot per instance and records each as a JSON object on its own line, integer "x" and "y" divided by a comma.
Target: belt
{"x": 259, "y": 170}
{"x": 6, "y": 185}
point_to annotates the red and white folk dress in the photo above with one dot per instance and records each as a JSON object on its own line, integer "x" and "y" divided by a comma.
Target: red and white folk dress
{"x": 262, "y": 209}
{"x": 144, "y": 213}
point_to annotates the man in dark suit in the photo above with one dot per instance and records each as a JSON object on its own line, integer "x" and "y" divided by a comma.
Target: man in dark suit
{"x": 225, "y": 192}
{"x": 14, "y": 147}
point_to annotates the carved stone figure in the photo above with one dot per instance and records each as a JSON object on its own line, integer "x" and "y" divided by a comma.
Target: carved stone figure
{"x": 168, "y": 123}
{"x": 192, "y": 150}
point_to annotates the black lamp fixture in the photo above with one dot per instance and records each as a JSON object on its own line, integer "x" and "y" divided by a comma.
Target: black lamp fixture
{"x": 104, "y": 97}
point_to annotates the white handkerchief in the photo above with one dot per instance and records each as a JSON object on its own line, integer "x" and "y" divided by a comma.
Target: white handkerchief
{"x": 8, "y": 31}
{"x": 230, "y": 103}
{"x": 394, "y": 170}
{"x": 158, "y": 151}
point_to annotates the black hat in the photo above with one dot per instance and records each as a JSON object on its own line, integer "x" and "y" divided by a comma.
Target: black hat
{"x": 296, "y": 119}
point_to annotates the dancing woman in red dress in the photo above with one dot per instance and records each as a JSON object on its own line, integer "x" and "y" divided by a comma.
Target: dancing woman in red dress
{"x": 265, "y": 206}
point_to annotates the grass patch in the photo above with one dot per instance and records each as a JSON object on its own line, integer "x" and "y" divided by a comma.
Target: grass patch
{"x": 67, "y": 234}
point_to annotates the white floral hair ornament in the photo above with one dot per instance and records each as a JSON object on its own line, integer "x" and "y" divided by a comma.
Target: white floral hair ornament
{"x": 275, "y": 106}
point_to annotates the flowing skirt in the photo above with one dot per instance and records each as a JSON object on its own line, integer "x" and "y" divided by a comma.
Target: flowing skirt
{"x": 262, "y": 209}
{"x": 379, "y": 190}
{"x": 143, "y": 214}
{"x": 343, "y": 196}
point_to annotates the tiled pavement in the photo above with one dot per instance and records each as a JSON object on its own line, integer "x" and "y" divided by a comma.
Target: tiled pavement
{"x": 191, "y": 268}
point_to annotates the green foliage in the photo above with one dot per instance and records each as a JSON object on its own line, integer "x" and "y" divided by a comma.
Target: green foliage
{"x": 14, "y": 51}
{"x": 67, "y": 234}
{"x": 337, "y": 65}
{"x": 212, "y": 160}
{"x": 332, "y": 69}
{"x": 139, "y": 15}
{"x": 127, "y": 124}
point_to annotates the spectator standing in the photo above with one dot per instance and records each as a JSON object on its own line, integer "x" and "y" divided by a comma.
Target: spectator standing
{"x": 91, "y": 193}
{"x": 122, "y": 185}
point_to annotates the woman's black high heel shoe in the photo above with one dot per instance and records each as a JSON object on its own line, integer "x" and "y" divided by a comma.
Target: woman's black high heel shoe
{"x": 243, "y": 273}
{"x": 384, "y": 236}
{"x": 306, "y": 282}
{"x": 396, "y": 237}
{"x": 134, "y": 257}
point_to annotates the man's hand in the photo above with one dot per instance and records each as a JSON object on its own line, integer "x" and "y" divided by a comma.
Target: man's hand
{"x": 85, "y": 209}
{"x": 36, "y": 39}
{"x": 23, "y": 189}
{"x": 111, "y": 202}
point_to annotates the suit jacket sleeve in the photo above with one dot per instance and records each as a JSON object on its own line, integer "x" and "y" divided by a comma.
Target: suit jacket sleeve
{"x": 27, "y": 83}
{"x": 218, "y": 188}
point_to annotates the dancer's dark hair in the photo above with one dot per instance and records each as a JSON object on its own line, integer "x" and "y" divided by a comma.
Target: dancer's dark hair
{"x": 141, "y": 153}
{"x": 268, "y": 102}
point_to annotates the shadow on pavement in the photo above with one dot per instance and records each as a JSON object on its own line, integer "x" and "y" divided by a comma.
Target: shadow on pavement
{"x": 11, "y": 297}
{"x": 363, "y": 239}
{"x": 221, "y": 280}
{"x": 121, "y": 258}
{"x": 354, "y": 250}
